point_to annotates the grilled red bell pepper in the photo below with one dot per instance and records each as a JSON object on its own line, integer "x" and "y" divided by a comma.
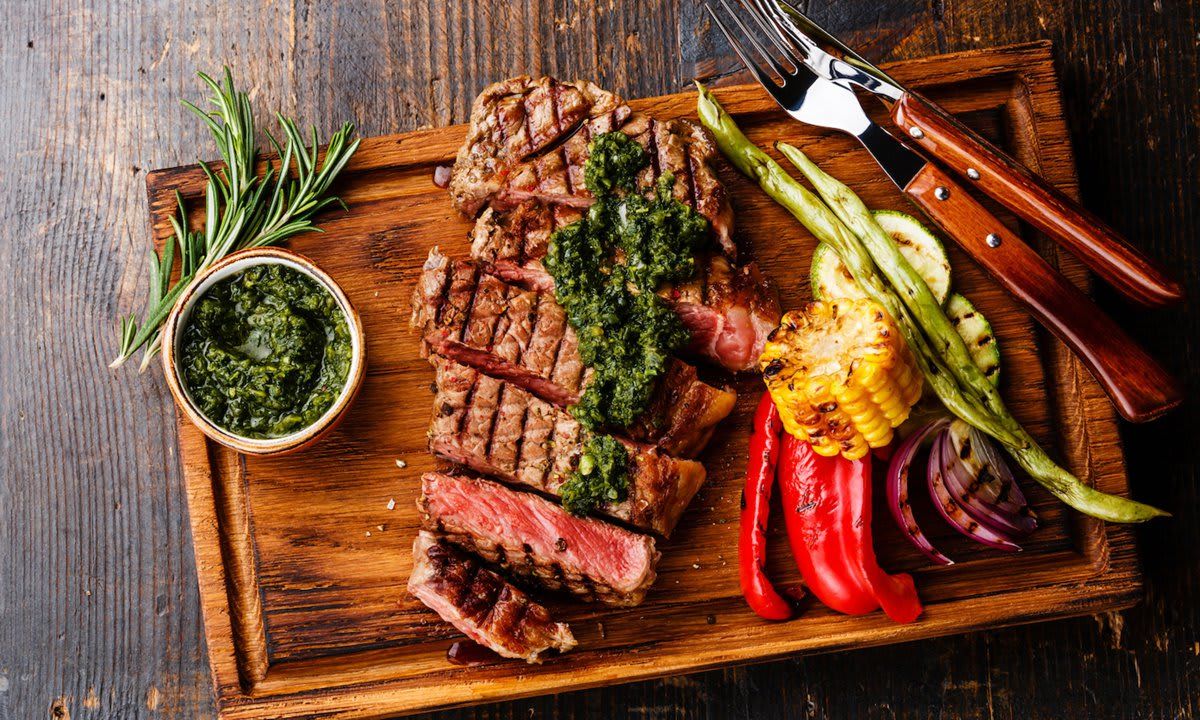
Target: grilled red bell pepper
{"x": 827, "y": 506}
{"x": 756, "y": 509}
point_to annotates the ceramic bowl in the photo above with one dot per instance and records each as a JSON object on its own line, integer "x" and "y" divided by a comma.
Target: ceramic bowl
{"x": 173, "y": 337}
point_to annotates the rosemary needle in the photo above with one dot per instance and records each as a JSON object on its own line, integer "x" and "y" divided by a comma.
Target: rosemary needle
{"x": 241, "y": 209}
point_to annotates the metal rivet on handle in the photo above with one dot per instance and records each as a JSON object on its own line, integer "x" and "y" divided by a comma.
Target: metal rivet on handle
{"x": 916, "y": 132}
{"x": 973, "y": 173}
{"x": 993, "y": 240}
{"x": 941, "y": 193}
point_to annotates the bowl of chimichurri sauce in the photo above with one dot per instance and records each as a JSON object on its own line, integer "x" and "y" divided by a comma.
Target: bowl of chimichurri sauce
{"x": 264, "y": 352}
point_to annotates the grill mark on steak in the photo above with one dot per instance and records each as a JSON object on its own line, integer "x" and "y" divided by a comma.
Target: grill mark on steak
{"x": 481, "y": 604}
{"x": 494, "y": 448}
{"x": 544, "y": 359}
{"x": 660, "y": 486}
{"x": 598, "y": 562}
{"x": 525, "y": 117}
{"x": 536, "y": 459}
{"x": 555, "y": 99}
{"x": 519, "y": 459}
{"x": 652, "y": 151}
{"x": 561, "y": 345}
{"x": 465, "y": 595}
{"x": 506, "y": 423}
{"x": 693, "y": 197}
{"x": 480, "y": 415}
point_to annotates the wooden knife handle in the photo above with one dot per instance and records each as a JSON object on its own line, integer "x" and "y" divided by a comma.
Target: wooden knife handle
{"x": 1040, "y": 204}
{"x": 1139, "y": 387}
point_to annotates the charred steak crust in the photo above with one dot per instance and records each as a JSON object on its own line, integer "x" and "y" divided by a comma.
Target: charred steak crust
{"x": 499, "y": 429}
{"x": 516, "y": 119}
{"x": 536, "y": 539}
{"x": 481, "y": 604}
{"x": 523, "y": 337}
{"x": 529, "y": 139}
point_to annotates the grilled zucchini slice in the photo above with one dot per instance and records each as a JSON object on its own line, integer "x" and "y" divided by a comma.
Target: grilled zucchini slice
{"x": 977, "y": 333}
{"x": 830, "y": 279}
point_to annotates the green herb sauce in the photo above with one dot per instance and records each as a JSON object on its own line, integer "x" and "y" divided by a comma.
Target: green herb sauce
{"x": 602, "y": 476}
{"x": 606, "y": 268}
{"x": 266, "y": 352}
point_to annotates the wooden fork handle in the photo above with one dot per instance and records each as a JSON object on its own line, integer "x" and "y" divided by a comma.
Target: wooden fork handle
{"x": 1139, "y": 387}
{"x": 1040, "y": 204}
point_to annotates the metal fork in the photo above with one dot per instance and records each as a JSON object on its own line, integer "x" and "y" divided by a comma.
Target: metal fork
{"x": 805, "y": 95}
{"x": 1139, "y": 387}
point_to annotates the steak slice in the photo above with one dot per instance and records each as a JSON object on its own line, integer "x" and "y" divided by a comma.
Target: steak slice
{"x": 729, "y": 310}
{"x": 536, "y": 539}
{"x": 529, "y": 140}
{"x": 523, "y": 337}
{"x": 516, "y": 119}
{"x": 499, "y": 429}
{"x": 481, "y": 604}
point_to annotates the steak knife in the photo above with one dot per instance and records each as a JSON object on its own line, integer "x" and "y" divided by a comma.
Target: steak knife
{"x": 1139, "y": 387}
{"x": 984, "y": 166}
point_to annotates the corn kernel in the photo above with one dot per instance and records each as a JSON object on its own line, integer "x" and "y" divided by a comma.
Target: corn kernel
{"x": 841, "y": 376}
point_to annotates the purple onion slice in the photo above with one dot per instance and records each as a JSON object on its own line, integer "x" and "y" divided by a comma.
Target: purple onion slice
{"x": 950, "y": 508}
{"x": 897, "y": 490}
{"x": 976, "y": 475}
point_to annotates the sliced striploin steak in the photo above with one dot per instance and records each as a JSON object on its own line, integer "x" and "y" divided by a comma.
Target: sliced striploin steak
{"x": 481, "y": 604}
{"x": 499, "y": 429}
{"x": 534, "y": 538}
{"x": 523, "y": 337}
{"x": 729, "y": 310}
{"x": 529, "y": 141}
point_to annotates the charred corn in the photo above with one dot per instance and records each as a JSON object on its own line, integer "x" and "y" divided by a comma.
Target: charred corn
{"x": 841, "y": 375}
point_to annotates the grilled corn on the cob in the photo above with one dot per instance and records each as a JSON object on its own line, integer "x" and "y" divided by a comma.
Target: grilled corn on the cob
{"x": 842, "y": 376}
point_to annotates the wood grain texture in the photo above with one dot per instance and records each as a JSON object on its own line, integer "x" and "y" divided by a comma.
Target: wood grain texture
{"x": 1139, "y": 387}
{"x": 981, "y": 165}
{"x": 301, "y": 562}
{"x": 91, "y": 498}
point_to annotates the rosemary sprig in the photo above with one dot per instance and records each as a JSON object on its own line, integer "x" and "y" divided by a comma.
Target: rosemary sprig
{"x": 241, "y": 209}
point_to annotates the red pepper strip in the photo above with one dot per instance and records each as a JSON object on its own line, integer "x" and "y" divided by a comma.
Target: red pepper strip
{"x": 756, "y": 509}
{"x": 821, "y": 529}
{"x": 896, "y": 594}
{"x": 827, "y": 502}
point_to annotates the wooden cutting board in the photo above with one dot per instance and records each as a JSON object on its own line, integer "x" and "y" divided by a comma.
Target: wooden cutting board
{"x": 302, "y": 560}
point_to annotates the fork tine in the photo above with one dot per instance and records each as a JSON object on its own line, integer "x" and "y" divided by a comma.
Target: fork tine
{"x": 763, "y": 77}
{"x": 770, "y": 59}
{"x": 763, "y": 12}
{"x": 753, "y": 37}
{"x": 782, "y": 25}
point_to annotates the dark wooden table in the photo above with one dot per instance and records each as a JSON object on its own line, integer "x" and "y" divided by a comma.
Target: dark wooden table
{"x": 98, "y": 601}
